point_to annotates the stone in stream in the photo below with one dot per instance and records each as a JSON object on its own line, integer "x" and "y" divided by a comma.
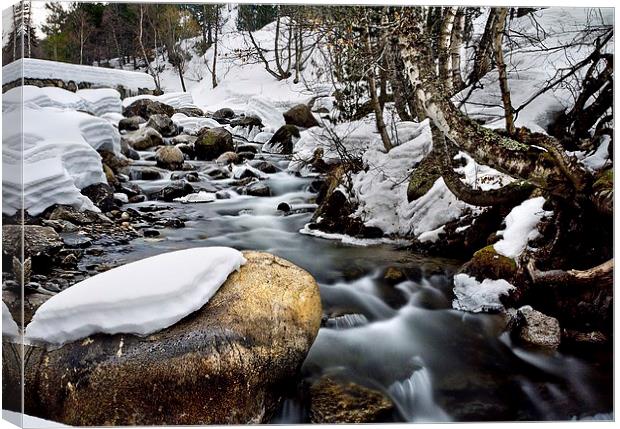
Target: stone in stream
{"x": 144, "y": 172}
{"x": 226, "y": 363}
{"x": 130, "y": 124}
{"x": 163, "y": 124}
{"x": 128, "y": 151}
{"x": 339, "y": 401}
{"x": 212, "y": 143}
{"x": 224, "y": 113}
{"x": 282, "y": 140}
{"x": 284, "y": 207}
{"x": 217, "y": 173}
{"x": 169, "y": 157}
{"x": 537, "y": 329}
{"x": 245, "y": 156}
{"x": 301, "y": 116}
{"x": 264, "y": 166}
{"x": 143, "y": 139}
{"x": 190, "y": 176}
{"x": 228, "y": 158}
{"x": 247, "y": 121}
{"x": 102, "y": 196}
{"x": 145, "y": 108}
{"x": 192, "y": 112}
{"x": 257, "y": 189}
{"x": 174, "y": 190}
{"x": 184, "y": 139}
{"x": 246, "y": 148}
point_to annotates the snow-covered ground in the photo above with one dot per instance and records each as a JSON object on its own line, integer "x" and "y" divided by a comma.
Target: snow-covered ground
{"x": 98, "y": 76}
{"x": 26, "y": 421}
{"x": 138, "y": 298}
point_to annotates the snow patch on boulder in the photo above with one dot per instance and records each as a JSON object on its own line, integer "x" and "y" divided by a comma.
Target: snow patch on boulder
{"x": 474, "y": 296}
{"x": 521, "y": 227}
{"x": 9, "y": 327}
{"x": 139, "y": 298}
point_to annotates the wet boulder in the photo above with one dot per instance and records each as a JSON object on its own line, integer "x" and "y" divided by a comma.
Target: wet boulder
{"x": 247, "y": 121}
{"x": 169, "y": 157}
{"x": 264, "y": 166}
{"x": 130, "y": 124}
{"x": 163, "y": 125}
{"x": 128, "y": 151}
{"x": 282, "y": 141}
{"x": 174, "y": 190}
{"x": 146, "y": 107}
{"x": 257, "y": 189}
{"x": 224, "y": 113}
{"x": 192, "y": 112}
{"x": 212, "y": 143}
{"x": 102, "y": 196}
{"x": 300, "y": 115}
{"x": 228, "y": 158}
{"x": 339, "y": 401}
{"x": 537, "y": 330}
{"x": 144, "y": 173}
{"x": 217, "y": 173}
{"x": 247, "y": 148}
{"x": 143, "y": 139}
{"x": 245, "y": 156}
{"x": 226, "y": 363}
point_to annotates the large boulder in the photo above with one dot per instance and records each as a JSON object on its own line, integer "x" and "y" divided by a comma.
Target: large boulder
{"x": 143, "y": 139}
{"x": 145, "y": 108}
{"x": 224, "y": 113}
{"x": 163, "y": 124}
{"x": 537, "y": 330}
{"x": 212, "y": 143}
{"x": 226, "y": 363}
{"x": 169, "y": 157}
{"x": 192, "y": 112}
{"x": 300, "y": 115}
{"x": 282, "y": 140}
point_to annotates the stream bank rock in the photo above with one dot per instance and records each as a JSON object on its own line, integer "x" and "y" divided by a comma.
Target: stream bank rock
{"x": 146, "y": 107}
{"x": 224, "y": 364}
{"x": 335, "y": 401}
{"x": 300, "y": 115}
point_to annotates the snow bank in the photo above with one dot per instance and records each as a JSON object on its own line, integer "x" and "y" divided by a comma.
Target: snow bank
{"x": 139, "y": 298}
{"x": 58, "y": 155}
{"x": 178, "y": 100}
{"x": 96, "y": 101}
{"x": 9, "y": 327}
{"x": 98, "y": 76}
{"x": 26, "y": 421}
{"x": 473, "y": 296}
{"x": 521, "y": 227}
{"x": 192, "y": 124}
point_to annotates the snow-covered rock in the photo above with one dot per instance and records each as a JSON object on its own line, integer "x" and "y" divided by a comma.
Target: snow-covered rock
{"x": 474, "y": 296}
{"x": 198, "y": 197}
{"x": 31, "y": 68}
{"x": 178, "y": 100}
{"x": 138, "y": 298}
{"x": 250, "y": 323}
{"x": 521, "y": 227}
{"x": 193, "y": 124}
{"x": 9, "y": 327}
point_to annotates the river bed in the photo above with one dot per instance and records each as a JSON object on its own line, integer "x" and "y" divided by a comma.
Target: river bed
{"x": 404, "y": 339}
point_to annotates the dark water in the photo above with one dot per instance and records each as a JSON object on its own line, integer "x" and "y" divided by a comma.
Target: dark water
{"x": 435, "y": 363}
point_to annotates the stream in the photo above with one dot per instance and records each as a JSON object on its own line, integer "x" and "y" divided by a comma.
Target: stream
{"x": 435, "y": 363}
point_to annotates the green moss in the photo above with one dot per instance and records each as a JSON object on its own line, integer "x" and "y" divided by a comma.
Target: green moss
{"x": 487, "y": 263}
{"x": 423, "y": 178}
{"x": 605, "y": 180}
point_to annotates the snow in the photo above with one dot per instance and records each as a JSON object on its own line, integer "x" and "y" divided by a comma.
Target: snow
{"x": 521, "y": 227}
{"x": 9, "y": 327}
{"x": 347, "y": 239}
{"x": 474, "y": 296}
{"x": 199, "y": 197}
{"x": 600, "y": 158}
{"x": 59, "y": 158}
{"x": 532, "y": 63}
{"x": 139, "y": 298}
{"x": 99, "y": 76}
{"x": 193, "y": 124}
{"x": 96, "y": 101}
{"x": 177, "y": 100}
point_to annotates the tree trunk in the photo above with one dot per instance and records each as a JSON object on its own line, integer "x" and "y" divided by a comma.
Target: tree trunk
{"x": 501, "y": 69}
{"x": 443, "y": 47}
{"x": 456, "y": 41}
{"x": 482, "y": 60}
{"x": 215, "y": 46}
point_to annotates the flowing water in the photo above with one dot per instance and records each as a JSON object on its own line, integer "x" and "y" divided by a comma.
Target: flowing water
{"x": 435, "y": 363}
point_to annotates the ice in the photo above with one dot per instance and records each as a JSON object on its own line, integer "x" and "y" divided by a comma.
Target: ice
{"x": 474, "y": 296}
{"x": 521, "y": 227}
{"x": 139, "y": 298}
{"x": 198, "y": 197}
{"x": 97, "y": 76}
